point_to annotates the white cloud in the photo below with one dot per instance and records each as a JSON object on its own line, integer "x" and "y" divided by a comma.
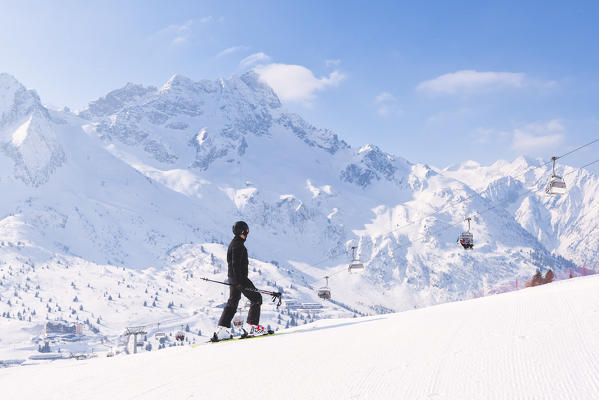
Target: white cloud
{"x": 387, "y": 104}
{"x": 488, "y": 135}
{"x": 176, "y": 34}
{"x": 470, "y": 81}
{"x": 295, "y": 82}
{"x": 179, "y": 34}
{"x": 538, "y": 136}
{"x": 231, "y": 50}
{"x": 332, "y": 63}
{"x": 253, "y": 59}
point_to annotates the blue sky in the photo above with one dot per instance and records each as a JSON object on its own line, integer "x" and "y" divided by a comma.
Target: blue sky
{"x": 439, "y": 82}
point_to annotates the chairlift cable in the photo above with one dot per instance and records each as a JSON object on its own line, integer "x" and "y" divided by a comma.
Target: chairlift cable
{"x": 480, "y": 193}
{"x": 586, "y": 165}
{"x": 578, "y": 148}
{"x": 526, "y": 191}
{"x": 453, "y": 203}
{"x": 487, "y": 188}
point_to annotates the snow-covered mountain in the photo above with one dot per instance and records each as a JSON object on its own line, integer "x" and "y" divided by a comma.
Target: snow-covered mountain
{"x": 151, "y": 180}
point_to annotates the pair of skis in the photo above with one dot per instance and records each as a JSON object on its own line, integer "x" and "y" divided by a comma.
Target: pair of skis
{"x": 276, "y": 297}
{"x": 245, "y": 335}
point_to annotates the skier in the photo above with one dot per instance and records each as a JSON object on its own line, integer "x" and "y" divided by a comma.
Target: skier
{"x": 237, "y": 259}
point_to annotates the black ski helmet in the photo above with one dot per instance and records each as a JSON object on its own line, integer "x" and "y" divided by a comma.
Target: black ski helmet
{"x": 240, "y": 228}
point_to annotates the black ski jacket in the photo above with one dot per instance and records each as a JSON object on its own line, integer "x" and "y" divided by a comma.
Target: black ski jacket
{"x": 237, "y": 259}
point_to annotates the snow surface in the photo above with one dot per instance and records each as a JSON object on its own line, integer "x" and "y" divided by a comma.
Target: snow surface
{"x": 537, "y": 343}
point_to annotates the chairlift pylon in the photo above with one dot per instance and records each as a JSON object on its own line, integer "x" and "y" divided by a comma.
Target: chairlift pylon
{"x": 556, "y": 185}
{"x": 466, "y": 239}
{"x": 355, "y": 265}
{"x": 324, "y": 292}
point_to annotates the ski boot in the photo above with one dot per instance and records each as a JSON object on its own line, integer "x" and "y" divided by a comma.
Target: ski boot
{"x": 222, "y": 333}
{"x": 251, "y": 330}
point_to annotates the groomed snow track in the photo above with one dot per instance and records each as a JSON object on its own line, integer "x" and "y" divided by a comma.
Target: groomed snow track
{"x": 537, "y": 343}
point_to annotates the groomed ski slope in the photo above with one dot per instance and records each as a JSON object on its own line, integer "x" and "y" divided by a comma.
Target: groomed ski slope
{"x": 537, "y": 343}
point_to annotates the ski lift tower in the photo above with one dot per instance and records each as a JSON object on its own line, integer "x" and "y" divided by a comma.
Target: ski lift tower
{"x": 134, "y": 331}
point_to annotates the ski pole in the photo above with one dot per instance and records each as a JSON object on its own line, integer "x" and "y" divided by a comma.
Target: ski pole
{"x": 275, "y": 295}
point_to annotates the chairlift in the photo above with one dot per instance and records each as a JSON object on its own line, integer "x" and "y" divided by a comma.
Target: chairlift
{"x": 356, "y": 265}
{"x": 556, "y": 185}
{"x": 180, "y": 335}
{"x": 466, "y": 239}
{"x": 238, "y": 320}
{"x": 159, "y": 335}
{"x": 324, "y": 292}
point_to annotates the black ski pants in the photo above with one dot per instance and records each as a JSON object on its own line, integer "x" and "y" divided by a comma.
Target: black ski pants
{"x": 234, "y": 295}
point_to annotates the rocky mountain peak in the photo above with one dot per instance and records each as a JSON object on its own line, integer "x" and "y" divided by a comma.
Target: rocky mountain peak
{"x": 177, "y": 81}
{"x": 116, "y": 100}
{"x": 246, "y": 88}
{"x": 16, "y": 102}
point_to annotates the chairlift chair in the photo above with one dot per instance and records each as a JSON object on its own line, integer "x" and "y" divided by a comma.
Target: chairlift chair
{"x": 238, "y": 320}
{"x": 180, "y": 335}
{"x": 556, "y": 185}
{"x": 324, "y": 292}
{"x": 356, "y": 265}
{"x": 466, "y": 239}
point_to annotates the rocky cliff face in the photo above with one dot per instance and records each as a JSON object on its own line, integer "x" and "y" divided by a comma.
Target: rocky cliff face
{"x": 27, "y": 133}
